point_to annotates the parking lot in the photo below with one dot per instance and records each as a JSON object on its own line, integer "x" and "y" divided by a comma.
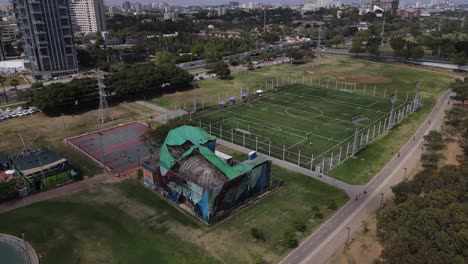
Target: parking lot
{"x": 10, "y": 112}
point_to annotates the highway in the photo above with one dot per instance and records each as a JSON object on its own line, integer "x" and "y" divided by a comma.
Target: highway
{"x": 332, "y": 235}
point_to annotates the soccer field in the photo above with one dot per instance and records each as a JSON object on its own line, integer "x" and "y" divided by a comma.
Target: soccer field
{"x": 301, "y": 123}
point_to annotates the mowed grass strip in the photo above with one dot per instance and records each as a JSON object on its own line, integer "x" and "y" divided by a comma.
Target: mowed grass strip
{"x": 127, "y": 223}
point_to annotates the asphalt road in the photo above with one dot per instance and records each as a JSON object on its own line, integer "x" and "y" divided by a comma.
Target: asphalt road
{"x": 332, "y": 235}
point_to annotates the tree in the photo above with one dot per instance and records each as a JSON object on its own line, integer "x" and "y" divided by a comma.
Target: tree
{"x": 221, "y": 69}
{"x": 155, "y": 138}
{"x": 460, "y": 87}
{"x": 163, "y": 57}
{"x": 434, "y": 141}
{"x": 294, "y": 55}
{"x": 337, "y": 39}
{"x": 398, "y": 44}
{"x": 7, "y": 185}
{"x": 430, "y": 161}
{"x": 359, "y": 39}
{"x": 416, "y": 52}
{"x": 374, "y": 50}
{"x": 211, "y": 54}
{"x": 15, "y": 83}
{"x": 2, "y": 81}
{"x": 459, "y": 59}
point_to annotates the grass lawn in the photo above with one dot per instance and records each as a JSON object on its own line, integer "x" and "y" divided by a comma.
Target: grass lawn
{"x": 127, "y": 223}
{"x": 41, "y": 131}
{"x": 7, "y": 83}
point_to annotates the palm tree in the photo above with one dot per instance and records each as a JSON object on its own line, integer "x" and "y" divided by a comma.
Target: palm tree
{"x": 2, "y": 81}
{"x": 15, "y": 83}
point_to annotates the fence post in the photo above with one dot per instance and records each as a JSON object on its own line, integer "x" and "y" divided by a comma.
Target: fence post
{"x": 396, "y": 92}
{"x": 385, "y": 92}
{"x": 339, "y": 157}
{"x": 360, "y": 142}
{"x": 331, "y": 161}
{"x": 407, "y": 94}
{"x": 385, "y": 123}
{"x": 232, "y": 135}
{"x": 299, "y": 158}
{"x": 336, "y": 84}
{"x": 256, "y": 143}
{"x": 373, "y": 132}
{"x": 380, "y": 123}
{"x": 347, "y": 150}
{"x": 210, "y": 129}
{"x": 367, "y": 136}
{"x": 312, "y": 162}
{"x": 323, "y": 165}
{"x": 375, "y": 86}
{"x": 269, "y": 148}
{"x": 284, "y": 151}
{"x": 243, "y": 139}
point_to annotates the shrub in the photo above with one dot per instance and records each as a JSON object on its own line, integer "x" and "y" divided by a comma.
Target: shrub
{"x": 257, "y": 234}
{"x": 332, "y": 205}
{"x": 289, "y": 239}
{"x": 318, "y": 215}
{"x": 299, "y": 225}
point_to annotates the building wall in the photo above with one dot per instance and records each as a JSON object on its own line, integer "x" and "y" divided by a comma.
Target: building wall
{"x": 46, "y": 32}
{"x": 386, "y": 5}
{"x": 9, "y": 29}
{"x": 88, "y": 16}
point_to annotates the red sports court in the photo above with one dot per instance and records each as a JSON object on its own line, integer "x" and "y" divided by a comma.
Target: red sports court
{"x": 119, "y": 148}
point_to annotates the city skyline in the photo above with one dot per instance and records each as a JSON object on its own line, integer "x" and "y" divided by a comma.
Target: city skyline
{"x": 219, "y": 2}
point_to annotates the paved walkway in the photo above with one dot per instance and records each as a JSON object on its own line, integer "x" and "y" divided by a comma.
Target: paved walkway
{"x": 56, "y": 192}
{"x": 351, "y": 190}
{"x": 167, "y": 114}
{"x": 332, "y": 235}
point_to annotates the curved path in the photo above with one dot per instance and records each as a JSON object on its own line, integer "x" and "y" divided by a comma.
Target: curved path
{"x": 22, "y": 246}
{"x": 332, "y": 235}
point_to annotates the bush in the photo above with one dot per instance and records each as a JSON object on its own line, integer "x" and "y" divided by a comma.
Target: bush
{"x": 332, "y": 205}
{"x": 257, "y": 234}
{"x": 289, "y": 239}
{"x": 257, "y": 258}
{"x": 318, "y": 215}
{"x": 299, "y": 225}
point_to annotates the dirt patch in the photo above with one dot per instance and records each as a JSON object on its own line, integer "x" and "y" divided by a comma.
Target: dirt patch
{"x": 453, "y": 150}
{"x": 365, "y": 78}
{"x": 363, "y": 248}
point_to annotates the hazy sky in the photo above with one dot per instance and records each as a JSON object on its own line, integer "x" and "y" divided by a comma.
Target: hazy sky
{"x": 216, "y": 2}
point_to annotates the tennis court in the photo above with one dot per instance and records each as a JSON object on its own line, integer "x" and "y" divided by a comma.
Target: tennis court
{"x": 119, "y": 148}
{"x": 302, "y": 124}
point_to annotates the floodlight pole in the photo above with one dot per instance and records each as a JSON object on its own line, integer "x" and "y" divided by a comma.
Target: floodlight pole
{"x": 390, "y": 118}
{"x": 356, "y": 120}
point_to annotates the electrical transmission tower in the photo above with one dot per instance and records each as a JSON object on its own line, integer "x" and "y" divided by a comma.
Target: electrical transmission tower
{"x": 104, "y": 112}
{"x": 416, "y": 97}
{"x": 392, "y": 112}
{"x": 356, "y": 120}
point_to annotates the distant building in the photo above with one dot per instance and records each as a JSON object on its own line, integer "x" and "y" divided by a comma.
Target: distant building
{"x": 9, "y": 29}
{"x": 221, "y": 11}
{"x": 138, "y": 7}
{"x": 234, "y": 4}
{"x": 386, "y": 5}
{"x": 46, "y": 32}
{"x": 408, "y": 13}
{"x": 2, "y": 49}
{"x": 126, "y": 6}
{"x": 88, "y": 16}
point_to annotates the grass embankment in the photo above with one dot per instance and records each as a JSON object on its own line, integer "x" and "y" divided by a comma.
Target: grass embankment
{"x": 40, "y": 131}
{"x": 126, "y": 223}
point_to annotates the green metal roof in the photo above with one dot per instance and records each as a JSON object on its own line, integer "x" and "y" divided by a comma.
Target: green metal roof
{"x": 198, "y": 137}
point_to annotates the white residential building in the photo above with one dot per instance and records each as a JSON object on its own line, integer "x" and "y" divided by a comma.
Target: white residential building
{"x": 88, "y": 16}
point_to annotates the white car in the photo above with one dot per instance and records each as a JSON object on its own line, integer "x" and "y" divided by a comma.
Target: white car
{"x": 8, "y": 109}
{"x": 14, "y": 115}
{"x": 20, "y": 114}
